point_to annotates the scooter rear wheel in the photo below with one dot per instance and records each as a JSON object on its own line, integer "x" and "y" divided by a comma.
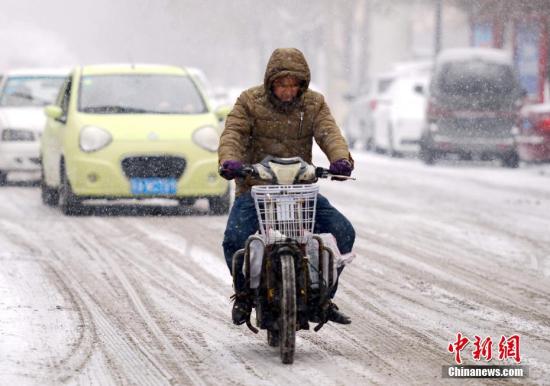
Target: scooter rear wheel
{"x": 273, "y": 338}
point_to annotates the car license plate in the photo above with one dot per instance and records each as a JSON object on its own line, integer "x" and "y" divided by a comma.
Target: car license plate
{"x": 154, "y": 186}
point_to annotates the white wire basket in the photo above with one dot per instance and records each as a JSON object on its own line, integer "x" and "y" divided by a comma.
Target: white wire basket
{"x": 285, "y": 211}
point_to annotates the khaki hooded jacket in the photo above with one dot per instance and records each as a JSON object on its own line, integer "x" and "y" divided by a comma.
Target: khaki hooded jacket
{"x": 260, "y": 124}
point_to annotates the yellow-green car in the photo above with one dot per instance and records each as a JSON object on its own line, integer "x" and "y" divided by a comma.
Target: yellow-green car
{"x": 131, "y": 131}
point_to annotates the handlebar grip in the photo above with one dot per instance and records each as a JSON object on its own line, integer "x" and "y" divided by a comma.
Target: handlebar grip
{"x": 245, "y": 171}
{"x": 325, "y": 173}
{"x": 321, "y": 172}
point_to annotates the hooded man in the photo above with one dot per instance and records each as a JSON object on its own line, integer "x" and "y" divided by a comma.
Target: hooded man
{"x": 280, "y": 118}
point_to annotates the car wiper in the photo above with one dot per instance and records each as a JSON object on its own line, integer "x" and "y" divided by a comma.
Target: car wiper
{"x": 114, "y": 109}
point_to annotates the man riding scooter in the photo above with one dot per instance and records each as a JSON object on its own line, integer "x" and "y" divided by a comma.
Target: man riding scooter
{"x": 280, "y": 118}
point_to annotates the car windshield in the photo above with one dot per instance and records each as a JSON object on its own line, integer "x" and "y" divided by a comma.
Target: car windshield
{"x": 26, "y": 91}
{"x": 139, "y": 94}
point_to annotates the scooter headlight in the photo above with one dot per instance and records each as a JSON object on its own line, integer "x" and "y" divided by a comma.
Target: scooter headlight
{"x": 94, "y": 138}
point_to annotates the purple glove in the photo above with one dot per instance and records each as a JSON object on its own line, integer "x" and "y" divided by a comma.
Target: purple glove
{"x": 341, "y": 167}
{"x": 229, "y": 168}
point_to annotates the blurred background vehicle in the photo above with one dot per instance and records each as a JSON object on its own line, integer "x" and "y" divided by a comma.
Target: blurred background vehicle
{"x": 131, "y": 131}
{"x": 473, "y": 102}
{"x": 23, "y": 95}
{"x": 399, "y": 115}
{"x": 534, "y": 133}
{"x": 358, "y": 126}
{"x": 217, "y": 96}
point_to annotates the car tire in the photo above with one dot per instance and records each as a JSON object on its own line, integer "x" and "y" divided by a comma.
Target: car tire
{"x": 3, "y": 178}
{"x": 376, "y": 146}
{"x": 50, "y": 196}
{"x": 351, "y": 142}
{"x": 511, "y": 160}
{"x": 369, "y": 144}
{"x": 391, "y": 150}
{"x": 427, "y": 155}
{"x": 69, "y": 203}
{"x": 219, "y": 206}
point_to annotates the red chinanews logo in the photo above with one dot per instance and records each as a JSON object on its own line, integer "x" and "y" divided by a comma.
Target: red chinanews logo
{"x": 508, "y": 348}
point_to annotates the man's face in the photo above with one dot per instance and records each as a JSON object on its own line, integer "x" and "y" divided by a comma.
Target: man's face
{"x": 286, "y": 88}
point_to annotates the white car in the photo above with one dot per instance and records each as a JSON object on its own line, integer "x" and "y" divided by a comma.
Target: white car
{"x": 23, "y": 95}
{"x": 399, "y": 116}
{"x": 358, "y": 127}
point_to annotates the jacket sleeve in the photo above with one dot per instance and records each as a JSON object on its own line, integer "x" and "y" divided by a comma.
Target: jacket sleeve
{"x": 236, "y": 134}
{"x": 328, "y": 136}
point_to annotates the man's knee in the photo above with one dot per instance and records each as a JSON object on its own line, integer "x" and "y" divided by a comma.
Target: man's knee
{"x": 345, "y": 236}
{"x": 350, "y": 232}
{"x": 233, "y": 240}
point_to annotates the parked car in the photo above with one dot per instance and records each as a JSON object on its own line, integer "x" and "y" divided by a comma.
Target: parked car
{"x": 131, "y": 131}
{"x": 474, "y": 99}
{"x": 23, "y": 95}
{"x": 215, "y": 96}
{"x": 358, "y": 126}
{"x": 534, "y": 133}
{"x": 399, "y": 116}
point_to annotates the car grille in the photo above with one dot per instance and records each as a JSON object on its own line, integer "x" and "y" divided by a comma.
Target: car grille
{"x": 17, "y": 135}
{"x": 153, "y": 166}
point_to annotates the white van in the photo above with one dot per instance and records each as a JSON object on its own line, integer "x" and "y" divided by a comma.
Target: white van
{"x": 473, "y": 105}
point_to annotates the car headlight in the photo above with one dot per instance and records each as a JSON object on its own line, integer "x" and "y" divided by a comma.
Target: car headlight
{"x": 17, "y": 135}
{"x": 207, "y": 137}
{"x": 94, "y": 138}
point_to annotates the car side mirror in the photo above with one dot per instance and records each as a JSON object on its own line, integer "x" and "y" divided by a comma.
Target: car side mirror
{"x": 222, "y": 112}
{"x": 523, "y": 93}
{"x": 54, "y": 112}
{"x": 349, "y": 97}
{"x": 419, "y": 89}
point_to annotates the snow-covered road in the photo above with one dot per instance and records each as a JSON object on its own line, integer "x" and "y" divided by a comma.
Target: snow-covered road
{"x": 139, "y": 299}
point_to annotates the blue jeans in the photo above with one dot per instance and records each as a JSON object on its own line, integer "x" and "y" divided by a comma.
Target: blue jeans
{"x": 243, "y": 222}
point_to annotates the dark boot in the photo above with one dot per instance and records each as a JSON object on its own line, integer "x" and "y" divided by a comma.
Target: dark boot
{"x": 242, "y": 307}
{"x": 336, "y": 316}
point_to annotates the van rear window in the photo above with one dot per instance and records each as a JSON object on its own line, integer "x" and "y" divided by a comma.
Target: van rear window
{"x": 476, "y": 77}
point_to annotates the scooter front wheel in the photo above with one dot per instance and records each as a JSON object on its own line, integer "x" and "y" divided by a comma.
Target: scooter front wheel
{"x": 287, "y": 317}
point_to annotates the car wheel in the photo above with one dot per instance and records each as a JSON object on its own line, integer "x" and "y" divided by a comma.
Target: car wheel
{"x": 391, "y": 150}
{"x": 369, "y": 145}
{"x": 351, "y": 142}
{"x": 50, "y": 196}
{"x": 376, "y": 146}
{"x": 3, "y": 178}
{"x": 220, "y": 205}
{"x": 69, "y": 202}
{"x": 511, "y": 160}
{"x": 427, "y": 155}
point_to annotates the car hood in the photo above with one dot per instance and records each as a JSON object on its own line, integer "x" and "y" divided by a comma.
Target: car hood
{"x": 150, "y": 127}
{"x": 32, "y": 118}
